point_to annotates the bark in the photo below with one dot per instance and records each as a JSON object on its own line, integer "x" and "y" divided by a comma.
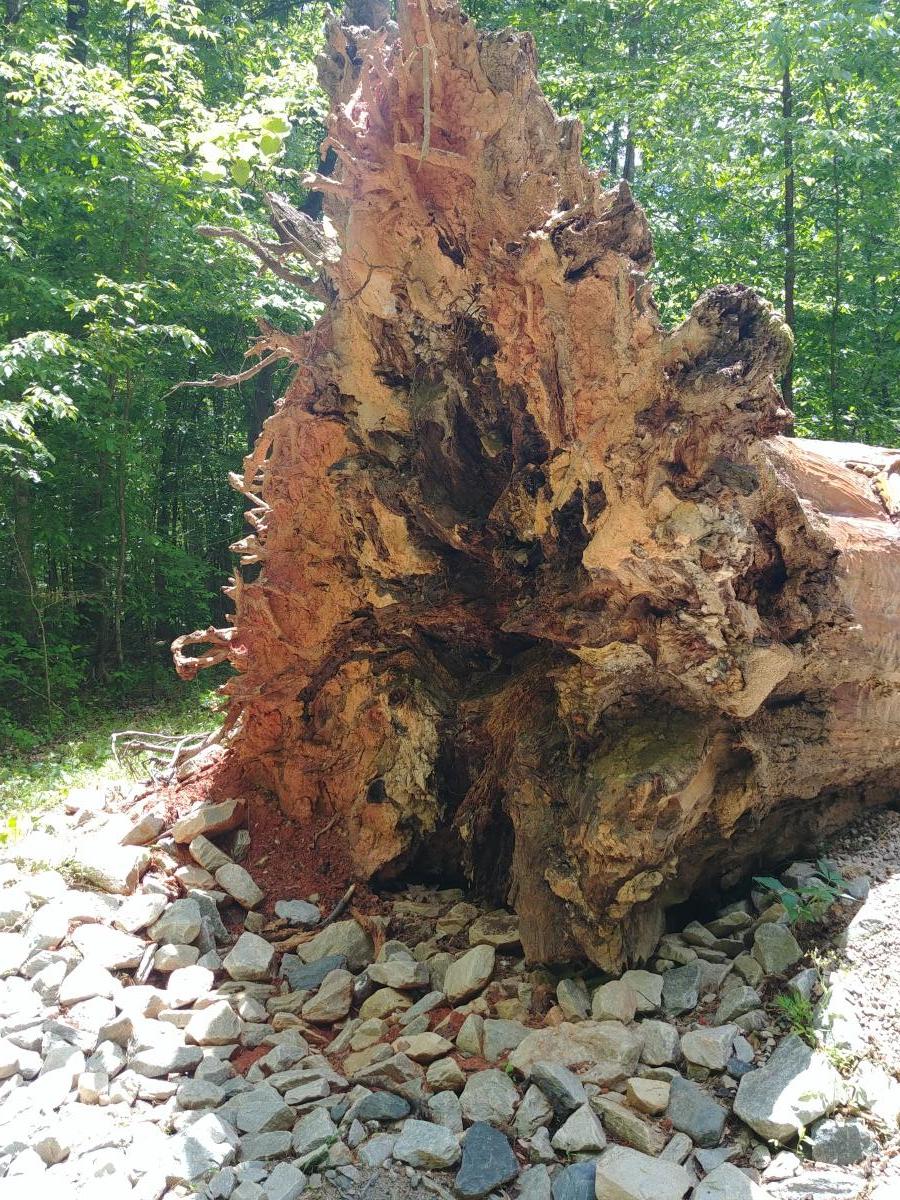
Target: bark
{"x": 76, "y": 26}
{"x": 543, "y": 596}
{"x": 790, "y": 225}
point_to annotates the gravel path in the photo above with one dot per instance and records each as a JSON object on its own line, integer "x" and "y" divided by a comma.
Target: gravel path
{"x": 871, "y": 957}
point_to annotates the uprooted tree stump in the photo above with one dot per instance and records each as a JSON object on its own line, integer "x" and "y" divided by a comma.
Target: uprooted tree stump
{"x": 541, "y": 593}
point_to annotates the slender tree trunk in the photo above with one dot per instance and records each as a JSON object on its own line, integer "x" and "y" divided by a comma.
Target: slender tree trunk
{"x": 129, "y": 42}
{"x": 628, "y": 164}
{"x": 837, "y": 273}
{"x": 122, "y": 519}
{"x": 259, "y": 404}
{"x": 614, "y": 149}
{"x": 789, "y": 227}
{"x": 76, "y": 27}
{"x": 23, "y": 558}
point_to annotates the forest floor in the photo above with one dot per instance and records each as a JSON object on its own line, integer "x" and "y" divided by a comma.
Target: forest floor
{"x": 41, "y": 774}
{"x": 852, "y": 956}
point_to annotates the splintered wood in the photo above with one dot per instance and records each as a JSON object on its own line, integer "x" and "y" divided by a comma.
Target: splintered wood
{"x": 540, "y": 593}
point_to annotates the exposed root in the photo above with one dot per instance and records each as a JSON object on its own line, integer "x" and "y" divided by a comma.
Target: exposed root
{"x": 158, "y": 756}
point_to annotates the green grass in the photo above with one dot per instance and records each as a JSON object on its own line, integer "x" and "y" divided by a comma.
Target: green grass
{"x": 37, "y": 778}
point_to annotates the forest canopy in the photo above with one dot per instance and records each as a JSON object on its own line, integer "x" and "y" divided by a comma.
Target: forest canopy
{"x": 758, "y": 137}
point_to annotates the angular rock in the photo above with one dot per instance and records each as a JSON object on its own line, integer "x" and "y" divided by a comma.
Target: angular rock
{"x": 180, "y": 922}
{"x": 312, "y": 1132}
{"x": 445, "y": 1075}
{"x": 110, "y": 948}
{"x": 563, "y": 1089}
{"x": 250, "y": 958}
{"x": 736, "y": 1002}
{"x": 402, "y": 974}
{"x": 681, "y": 988}
{"x": 207, "y": 1144}
{"x": 534, "y": 1112}
{"x": 239, "y": 884}
{"x": 332, "y": 1001}
{"x": 144, "y": 831}
{"x": 576, "y": 1182}
{"x": 649, "y": 1096}
{"x": 187, "y": 985}
{"x": 709, "y": 1045}
{"x": 286, "y": 1182}
{"x": 298, "y": 912}
{"x": 625, "y": 1174}
{"x": 426, "y": 1146}
{"x": 346, "y": 938}
{"x": 469, "y": 973}
{"x": 661, "y": 1043}
{"x": 444, "y": 1109}
{"x": 487, "y": 1162}
{"x": 216, "y": 1025}
{"x": 629, "y": 1127}
{"x": 647, "y": 987}
{"x": 138, "y": 911}
{"x": 841, "y": 1143}
{"x": 381, "y": 1106}
{"x": 397, "y": 1074}
{"x": 196, "y": 1094}
{"x": 581, "y": 1133}
{"x": 175, "y": 958}
{"x": 111, "y": 868}
{"x": 209, "y": 819}
{"x": 694, "y": 1112}
{"x": 611, "y": 1048}
{"x": 749, "y": 969}
{"x": 614, "y": 1001}
{"x": 377, "y": 1150}
{"x": 87, "y": 980}
{"x": 500, "y": 1037}
{"x": 262, "y": 1110}
{"x": 207, "y": 854}
{"x": 795, "y": 1087}
{"x": 489, "y": 1096}
{"x": 470, "y": 1039}
{"x": 775, "y": 948}
{"x": 423, "y": 1047}
{"x": 165, "y": 1058}
{"x": 573, "y": 999}
{"x": 306, "y": 977}
{"x": 677, "y": 1148}
{"x": 499, "y": 929}
{"x": 383, "y": 1003}
{"x": 727, "y": 1182}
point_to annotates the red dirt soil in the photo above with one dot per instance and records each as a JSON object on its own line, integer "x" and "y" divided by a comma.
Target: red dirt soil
{"x": 287, "y": 860}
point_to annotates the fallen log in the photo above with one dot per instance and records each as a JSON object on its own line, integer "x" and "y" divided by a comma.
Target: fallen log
{"x": 539, "y": 593}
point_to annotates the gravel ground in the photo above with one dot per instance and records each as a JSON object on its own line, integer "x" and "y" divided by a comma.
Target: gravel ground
{"x": 871, "y": 847}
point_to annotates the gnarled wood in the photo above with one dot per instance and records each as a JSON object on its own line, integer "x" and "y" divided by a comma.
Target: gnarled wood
{"x": 545, "y": 596}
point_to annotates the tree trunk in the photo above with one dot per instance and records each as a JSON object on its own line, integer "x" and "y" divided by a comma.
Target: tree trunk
{"x": 544, "y": 596}
{"x": 76, "y": 28}
{"x": 790, "y": 227}
{"x": 836, "y": 296}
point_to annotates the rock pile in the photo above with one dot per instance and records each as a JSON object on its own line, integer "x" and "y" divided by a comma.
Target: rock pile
{"x": 150, "y": 1049}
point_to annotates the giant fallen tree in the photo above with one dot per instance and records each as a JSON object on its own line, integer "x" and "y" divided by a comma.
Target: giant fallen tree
{"x": 537, "y": 591}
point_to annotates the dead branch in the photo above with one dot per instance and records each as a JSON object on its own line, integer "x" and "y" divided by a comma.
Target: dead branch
{"x": 268, "y": 258}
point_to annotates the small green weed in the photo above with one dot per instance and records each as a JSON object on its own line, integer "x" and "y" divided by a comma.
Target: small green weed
{"x": 810, "y": 901}
{"x": 799, "y": 1013}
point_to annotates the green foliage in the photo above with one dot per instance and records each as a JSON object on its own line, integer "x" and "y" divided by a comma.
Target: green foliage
{"x": 115, "y": 512}
{"x": 810, "y": 901}
{"x": 799, "y": 1013}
